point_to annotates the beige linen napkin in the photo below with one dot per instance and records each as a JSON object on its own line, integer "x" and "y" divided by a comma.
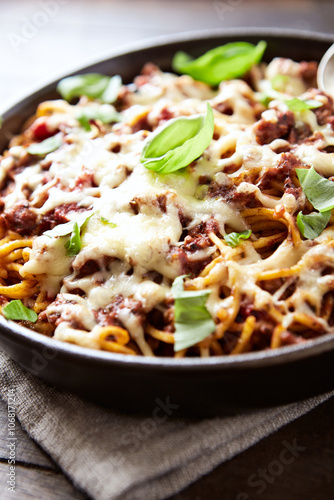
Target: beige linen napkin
{"x": 111, "y": 455}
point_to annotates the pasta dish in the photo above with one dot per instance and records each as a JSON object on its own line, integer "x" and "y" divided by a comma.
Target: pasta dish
{"x": 178, "y": 215}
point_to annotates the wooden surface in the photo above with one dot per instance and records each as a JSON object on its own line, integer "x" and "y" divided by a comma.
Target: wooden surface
{"x": 309, "y": 476}
{"x": 70, "y": 34}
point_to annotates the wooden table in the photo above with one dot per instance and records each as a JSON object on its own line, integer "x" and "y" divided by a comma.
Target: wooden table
{"x": 39, "y": 40}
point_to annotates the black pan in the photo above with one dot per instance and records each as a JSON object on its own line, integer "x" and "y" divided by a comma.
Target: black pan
{"x": 195, "y": 386}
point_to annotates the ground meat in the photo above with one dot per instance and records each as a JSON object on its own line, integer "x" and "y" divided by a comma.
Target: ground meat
{"x": 134, "y": 206}
{"x": 109, "y": 315}
{"x": 55, "y": 317}
{"x": 49, "y": 318}
{"x": 90, "y": 267}
{"x": 224, "y": 108}
{"x": 191, "y": 267}
{"x": 325, "y": 112}
{"x": 300, "y": 134}
{"x": 161, "y": 199}
{"x": 289, "y": 338}
{"x": 282, "y": 173}
{"x": 317, "y": 139}
{"x": 245, "y": 310}
{"x": 266, "y": 131}
{"x": 271, "y": 286}
{"x": 163, "y": 320}
{"x": 195, "y": 239}
{"x": 116, "y": 148}
{"x": 204, "y": 179}
{"x": 308, "y": 72}
{"x": 230, "y": 195}
{"x": 138, "y": 202}
{"x": 184, "y": 220}
{"x": 165, "y": 115}
{"x": 198, "y": 242}
{"x": 58, "y": 216}
{"x": 148, "y": 71}
{"x": 282, "y": 149}
{"x": 154, "y": 276}
{"x": 261, "y": 337}
{"x": 288, "y": 163}
{"x": 198, "y": 237}
{"x": 21, "y": 218}
{"x": 229, "y": 341}
{"x": 290, "y": 188}
{"x": 86, "y": 179}
{"x": 141, "y": 124}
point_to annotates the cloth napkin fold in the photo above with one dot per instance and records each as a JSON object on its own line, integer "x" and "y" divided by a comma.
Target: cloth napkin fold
{"x": 111, "y": 455}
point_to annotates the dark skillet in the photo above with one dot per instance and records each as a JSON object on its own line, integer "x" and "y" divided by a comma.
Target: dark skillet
{"x": 195, "y": 386}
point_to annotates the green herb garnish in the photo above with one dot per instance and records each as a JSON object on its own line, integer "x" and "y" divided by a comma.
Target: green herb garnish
{"x": 106, "y": 221}
{"x": 93, "y": 85}
{"x": 222, "y": 63}
{"x": 46, "y": 146}
{"x": 264, "y": 99}
{"x": 312, "y": 225}
{"x": 234, "y": 239}
{"x": 105, "y": 114}
{"x": 68, "y": 227}
{"x": 318, "y": 190}
{"x": 193, "y": 322}
{"x": 74, "y": 228}
{"x": 73, "y": 245}
{"x": 297, "y": 105}
{"x": 278, "y": 81}
{"x": 181, "y": 141}
{"x": 17, "y": 311}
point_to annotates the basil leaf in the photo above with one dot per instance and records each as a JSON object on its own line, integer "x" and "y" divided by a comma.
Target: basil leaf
{"x": 222, "y": 63}
{"x": 297, "y": 105}
{"x": 111, "y": 92}
{"x": 193, "y": 322}
{"x": 46, "y": 146}
{"x": 106, "y": 221}
{"x": 68, "y": 227}
{"x": 73, "y": 228}
{"x": 92, "y": 85}
{"x": 318, "y": 190}
{"x": 264, "y": 99}
{"x": 278, "y": 81}
{"x": 17, "y": 311}
{"x": 234, "y": 239}
{"x": 73, "y": 246}
{"x": 178, "y": 143}
{"x": 104, "y": 113}
{"x": 312, "y": 225}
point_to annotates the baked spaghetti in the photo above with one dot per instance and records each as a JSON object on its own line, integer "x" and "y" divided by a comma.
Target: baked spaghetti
{"x": 215, "y": 258}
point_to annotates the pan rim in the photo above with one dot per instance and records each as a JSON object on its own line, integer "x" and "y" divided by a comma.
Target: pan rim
{"x": 163, "y": 41}
{"x": 248, "y": 360}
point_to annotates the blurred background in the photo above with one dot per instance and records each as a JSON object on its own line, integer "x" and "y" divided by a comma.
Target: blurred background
{"x": 40, "y": 39}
